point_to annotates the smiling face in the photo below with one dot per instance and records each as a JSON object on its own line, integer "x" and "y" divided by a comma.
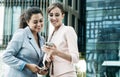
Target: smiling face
{"x": 56, "y": 17}
{"x": 36, "y": 22}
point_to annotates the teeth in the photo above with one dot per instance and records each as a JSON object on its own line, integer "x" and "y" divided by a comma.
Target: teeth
{"x": 54, "y": 22}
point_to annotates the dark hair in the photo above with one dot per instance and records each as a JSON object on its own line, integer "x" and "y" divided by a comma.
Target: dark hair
{"x": 26, "y": 16}
{"x": 52, "y": 6}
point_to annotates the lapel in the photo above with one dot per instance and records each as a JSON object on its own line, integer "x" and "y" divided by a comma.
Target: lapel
{"x": 55, "y": 33}
{"x": 32, "y": 40}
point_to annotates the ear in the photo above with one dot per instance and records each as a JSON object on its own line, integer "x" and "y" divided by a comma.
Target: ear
{"x": 27, "y": 22}
{"x": 63, "y": 15}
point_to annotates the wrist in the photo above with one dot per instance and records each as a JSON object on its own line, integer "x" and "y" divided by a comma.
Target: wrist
{"x": 56, "y": 52}
{"x": 27, "y": 65}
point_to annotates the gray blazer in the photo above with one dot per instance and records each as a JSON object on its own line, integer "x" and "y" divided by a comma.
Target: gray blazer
{"x": 23, "y": 49}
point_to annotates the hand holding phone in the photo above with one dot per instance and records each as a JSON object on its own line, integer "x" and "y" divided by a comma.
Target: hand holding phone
{"x": 49, "y": 44}
{"x": 43, "y": 71}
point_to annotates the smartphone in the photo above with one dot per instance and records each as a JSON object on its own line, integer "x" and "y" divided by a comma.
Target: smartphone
{"x": 43, "y": 69}
{"x": 49, "y": 44}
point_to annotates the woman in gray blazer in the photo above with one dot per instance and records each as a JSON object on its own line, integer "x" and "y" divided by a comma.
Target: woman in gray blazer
{"x": 23, "y": 54}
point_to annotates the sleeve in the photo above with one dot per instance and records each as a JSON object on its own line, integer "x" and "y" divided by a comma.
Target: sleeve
{"x": 71, "y": 38}
{"x": 14, "y": 46}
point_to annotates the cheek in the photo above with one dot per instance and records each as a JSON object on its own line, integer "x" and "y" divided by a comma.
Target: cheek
{"x": 50, "y": 19}
{"x": 42, "y": 25}
{"x": 32, "y": 26}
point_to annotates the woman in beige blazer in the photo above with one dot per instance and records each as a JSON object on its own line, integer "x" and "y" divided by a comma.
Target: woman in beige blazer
{"x": 64, "y": 53}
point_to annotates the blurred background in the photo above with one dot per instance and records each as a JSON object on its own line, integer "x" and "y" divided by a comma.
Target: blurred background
{"x": 96, "y": 22}
{"x": 9, "y": 22}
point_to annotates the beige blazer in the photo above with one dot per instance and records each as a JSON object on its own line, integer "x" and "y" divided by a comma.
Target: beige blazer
{"x": 65, "y": 40}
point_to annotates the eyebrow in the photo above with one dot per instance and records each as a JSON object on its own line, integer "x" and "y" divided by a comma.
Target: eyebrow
{"x": 41, "y": 18}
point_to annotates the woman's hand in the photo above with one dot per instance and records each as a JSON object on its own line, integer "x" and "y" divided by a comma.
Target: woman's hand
{"x": 50, "y": 50}
{"x": 33, "y": 67}
{"x": 43, "y": 71}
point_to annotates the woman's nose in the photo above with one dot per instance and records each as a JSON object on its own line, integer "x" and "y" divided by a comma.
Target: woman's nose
{"x": 40, "y": 24}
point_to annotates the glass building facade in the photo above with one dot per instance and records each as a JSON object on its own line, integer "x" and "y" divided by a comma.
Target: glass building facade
{"x": 12, "y": 10}
{"x": 103, "y": 38}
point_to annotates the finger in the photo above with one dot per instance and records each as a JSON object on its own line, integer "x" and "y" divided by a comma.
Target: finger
{"x": 38, "y": 68}
{"x": 43, "y": 72}
{"x": 54, "y": 46}
{"x": 39, "y": 71}
{"x": 52, "y": 57}
{"x": 48, "y": 59}
{"x": 47, "y": 47}
{"x": 44, "y": 47}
